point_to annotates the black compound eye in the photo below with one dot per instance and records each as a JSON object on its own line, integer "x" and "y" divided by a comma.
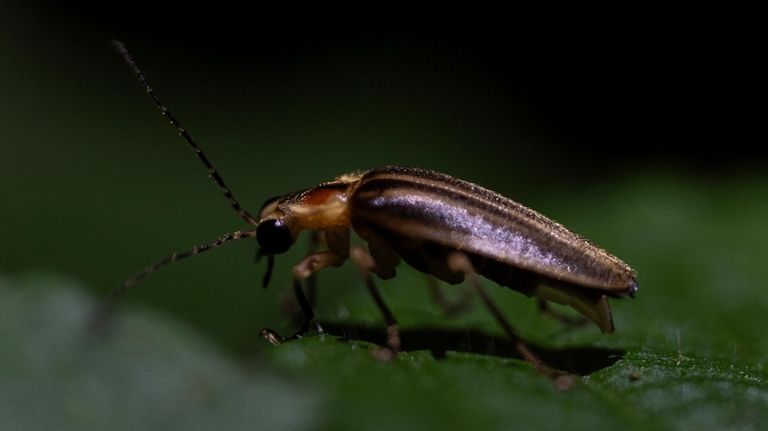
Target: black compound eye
{"x": 273, "y": 236}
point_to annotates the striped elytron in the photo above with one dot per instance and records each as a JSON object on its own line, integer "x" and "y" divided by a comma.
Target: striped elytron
{"x": 438, "y": 224}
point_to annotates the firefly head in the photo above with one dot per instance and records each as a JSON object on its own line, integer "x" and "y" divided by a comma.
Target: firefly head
{"x": 319, "y": 208}
{"x": 273, "y": 232}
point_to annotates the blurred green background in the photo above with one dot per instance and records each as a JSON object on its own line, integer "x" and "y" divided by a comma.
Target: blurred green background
{"x": 636, "y": 137}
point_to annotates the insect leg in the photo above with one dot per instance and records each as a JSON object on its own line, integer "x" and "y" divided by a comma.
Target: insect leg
{"x": 384, "y": 257}
{"x": 447, "y": 306}
{"x": 367, "y": 265}
{"x": 311, "y": 297}
{"x": 314, "y": 243}
{"x": 460, "y": 263}
{"x": 592, "y": 305}
{"x": 338, "y": 243}
{"x": 569, "y": 321}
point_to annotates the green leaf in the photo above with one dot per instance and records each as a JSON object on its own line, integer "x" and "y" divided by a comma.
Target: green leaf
{"x": 689, "y": 352}
{"x": 142, "y": 372}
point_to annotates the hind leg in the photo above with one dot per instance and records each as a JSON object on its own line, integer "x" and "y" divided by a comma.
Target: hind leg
{"x": 569, "y": 321}
{"x": 449, "y": 307}
{"x": 460, "y": 263}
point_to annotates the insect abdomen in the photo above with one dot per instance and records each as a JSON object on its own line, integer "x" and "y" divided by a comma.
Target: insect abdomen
{"x": 423, "y": 207}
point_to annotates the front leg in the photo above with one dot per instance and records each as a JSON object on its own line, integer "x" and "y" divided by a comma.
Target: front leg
{"x": 338, "y": 244}
{"x": 305, "y": 270}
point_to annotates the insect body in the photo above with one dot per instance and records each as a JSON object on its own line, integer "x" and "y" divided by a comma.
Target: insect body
{"x": 423, "y": 217}
{"x": 440, "y": 225}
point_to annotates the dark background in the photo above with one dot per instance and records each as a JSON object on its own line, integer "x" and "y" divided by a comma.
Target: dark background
{"x": 623, "y": 88}
{"x": 543, "y": 106}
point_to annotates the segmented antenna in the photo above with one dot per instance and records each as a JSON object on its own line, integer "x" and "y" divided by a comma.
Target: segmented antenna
{"x": 212, "y": 172}
{"x": 129, "y": 282}
{"x": 234, "y": 236}
{"x": 101, "y": 314}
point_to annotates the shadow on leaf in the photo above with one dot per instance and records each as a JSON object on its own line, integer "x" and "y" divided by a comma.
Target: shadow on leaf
{"x": 577, "y": 360}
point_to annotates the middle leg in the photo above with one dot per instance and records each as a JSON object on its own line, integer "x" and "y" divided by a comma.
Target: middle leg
{"x": 367, "y": 265}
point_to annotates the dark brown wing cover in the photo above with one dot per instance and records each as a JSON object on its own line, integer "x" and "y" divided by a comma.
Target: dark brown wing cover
{"x": 434, "y": 207}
